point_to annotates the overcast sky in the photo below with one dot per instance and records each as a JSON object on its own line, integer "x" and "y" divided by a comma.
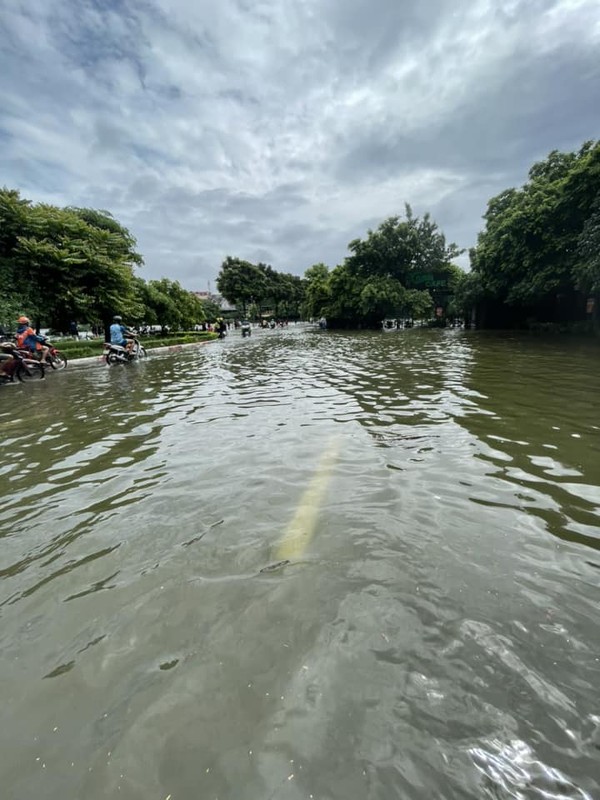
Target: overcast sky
{"x": 279, "y": 130}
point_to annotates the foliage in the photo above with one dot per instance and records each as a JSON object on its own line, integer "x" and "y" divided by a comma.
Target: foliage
{"x": 74, "y": 349}
{"x": 240, "y": 282}
{"x": 168, "y": 303}
{"x": 383, "y": 275}
{"x": 586, "y": 270}
{"x": 317, "y": 293}
{"x": 78, "y": 264}
{"x": 540, "y": 243}
{"x": 210, "y": 310}
{"x": 402, "y": 249}
{"x": 468, "y": 291}
{"x": 259, "y": 287}
{"x": 65, "y": 264}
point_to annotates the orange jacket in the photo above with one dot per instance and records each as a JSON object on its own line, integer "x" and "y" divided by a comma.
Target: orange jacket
{"x": 24, "y": 335}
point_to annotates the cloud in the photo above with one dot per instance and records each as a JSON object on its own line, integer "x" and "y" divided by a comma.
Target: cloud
{"x": 279, "y": 131}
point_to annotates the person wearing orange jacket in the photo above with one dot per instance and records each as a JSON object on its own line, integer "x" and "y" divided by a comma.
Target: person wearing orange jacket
{"x": 27, "y": 338}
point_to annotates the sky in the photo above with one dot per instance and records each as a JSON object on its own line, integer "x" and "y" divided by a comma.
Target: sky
{"x": 280, "y": 130}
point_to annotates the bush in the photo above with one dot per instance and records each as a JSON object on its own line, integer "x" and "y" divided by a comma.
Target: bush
{"x": 77, "y": 348}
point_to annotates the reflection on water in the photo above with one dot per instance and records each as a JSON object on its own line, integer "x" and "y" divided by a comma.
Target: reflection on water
{"x": 306, "y": 565}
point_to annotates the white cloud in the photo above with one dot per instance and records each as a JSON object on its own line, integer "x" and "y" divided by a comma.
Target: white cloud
{"x": 284, "y": 129}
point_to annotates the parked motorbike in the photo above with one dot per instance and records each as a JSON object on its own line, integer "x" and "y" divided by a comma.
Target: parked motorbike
{"x": 16, "y": 365}
{"x": 115, "y": 354}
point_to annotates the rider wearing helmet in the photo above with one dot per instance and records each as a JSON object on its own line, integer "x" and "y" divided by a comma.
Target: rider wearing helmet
{"x": 119, "y": 334}
{"x": 27, "y": 338}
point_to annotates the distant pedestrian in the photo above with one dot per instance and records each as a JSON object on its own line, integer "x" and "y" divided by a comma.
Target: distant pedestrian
{"x": 73, "y": 329}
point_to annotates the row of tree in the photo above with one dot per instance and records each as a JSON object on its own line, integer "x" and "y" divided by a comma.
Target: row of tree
{"x": 538, "y": 258}
{"x": 59, "y": 265}
{"x": 404, "y": 268}
{"x": 254, "y": 288}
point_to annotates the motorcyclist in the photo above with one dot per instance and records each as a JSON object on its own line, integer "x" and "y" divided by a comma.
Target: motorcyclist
{"x": 7, "y": 359}
{"x": 120, "y": 334}
{"x": 27, "y": 338}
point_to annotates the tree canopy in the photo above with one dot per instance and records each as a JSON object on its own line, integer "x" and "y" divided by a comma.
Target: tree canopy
{"x": 63, "y": 264}
{"x": 260, "y": 287}
{"x": 400, "y": 269}
{"x": 537, "y": 257}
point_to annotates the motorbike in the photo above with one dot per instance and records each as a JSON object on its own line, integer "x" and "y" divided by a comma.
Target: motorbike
{"x": 17, "y": 365}
{"x": 115, "y": 354}
{"x": 54, "y": 357}
{"x": 246, "y": 329}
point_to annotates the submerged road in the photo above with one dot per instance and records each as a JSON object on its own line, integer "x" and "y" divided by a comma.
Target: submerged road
{"x": 305, "y": 565}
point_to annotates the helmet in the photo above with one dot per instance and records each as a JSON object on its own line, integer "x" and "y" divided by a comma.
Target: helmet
{"x": 118, "y": 319}
{"x": 23, "y": 320}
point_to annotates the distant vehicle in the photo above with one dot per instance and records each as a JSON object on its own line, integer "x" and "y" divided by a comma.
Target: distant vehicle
{"x": 149, "y": 330}
{"x": 390, "y": 325}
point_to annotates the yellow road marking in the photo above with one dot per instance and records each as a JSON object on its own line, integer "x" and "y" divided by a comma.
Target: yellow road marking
{"x": 303, "y": 525}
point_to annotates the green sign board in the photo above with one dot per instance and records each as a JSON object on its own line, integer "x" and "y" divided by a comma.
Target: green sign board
{"x": 426, "y": 280}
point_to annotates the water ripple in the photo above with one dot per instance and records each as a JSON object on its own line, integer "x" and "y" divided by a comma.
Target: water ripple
{"x": 436, "y": 639}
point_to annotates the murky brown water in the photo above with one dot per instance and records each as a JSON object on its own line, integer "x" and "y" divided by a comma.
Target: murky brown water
{"x": 435, "y": 634}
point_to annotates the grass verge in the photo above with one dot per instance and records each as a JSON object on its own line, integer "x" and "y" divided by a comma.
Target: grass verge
{"x": 74, "y": 349}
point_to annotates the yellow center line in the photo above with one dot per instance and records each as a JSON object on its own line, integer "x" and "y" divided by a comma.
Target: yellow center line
{"x": 303, "y": 525}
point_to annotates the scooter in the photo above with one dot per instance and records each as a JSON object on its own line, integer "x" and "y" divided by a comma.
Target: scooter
{"x": 16, "y": 365}
{"x": 54, "y": 357}
{"x": 115, "y": 354}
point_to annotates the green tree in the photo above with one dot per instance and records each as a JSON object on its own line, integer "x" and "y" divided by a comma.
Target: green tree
{"x": 317, "y": 293}
{"x": 241, "y": 282}
{"x": 401, "y": 249}
{"x": 397, "y": 270}
{"x": 166, "y": 302}
{"x": 586, "y": 269}
{"x": 536, "y": 250}
{"x": 468, "y": 293}
{"x": 66, "y": 264}
{"x": 418, "y": 304}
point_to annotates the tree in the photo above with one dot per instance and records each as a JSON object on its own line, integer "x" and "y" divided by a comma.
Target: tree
{"x": 418, "y": 304}
{"x": 586, "y": 269}
{"x": 402, "y": 249}
{"x": 468, "y": 293}
{"x": 317, "y": 293}
{"x": 240, "y": 282}
{"x": 397, "y": 270}
{"x": 166, "y": 302}
{"x": 537, "y": 248}
{"x": 66, "y": 264}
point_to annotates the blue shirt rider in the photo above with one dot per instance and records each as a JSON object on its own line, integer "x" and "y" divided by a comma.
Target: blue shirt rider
{"x": 119, "y": 334}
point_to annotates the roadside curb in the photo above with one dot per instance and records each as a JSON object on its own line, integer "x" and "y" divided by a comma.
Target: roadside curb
{"x": 170, "y": 348}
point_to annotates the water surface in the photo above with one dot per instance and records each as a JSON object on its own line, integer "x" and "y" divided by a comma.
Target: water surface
{"x": 434, "y": 633}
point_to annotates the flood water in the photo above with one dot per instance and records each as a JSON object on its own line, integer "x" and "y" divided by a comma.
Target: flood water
{"x": 305, "y": 565}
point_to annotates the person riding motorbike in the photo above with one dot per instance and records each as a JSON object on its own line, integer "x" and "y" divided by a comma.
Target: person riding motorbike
{"x": 7, "y": 360}
{"x": 221, "y": 327}
{"x": 27, "y": 338}
{"x": 120, "y": 334}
